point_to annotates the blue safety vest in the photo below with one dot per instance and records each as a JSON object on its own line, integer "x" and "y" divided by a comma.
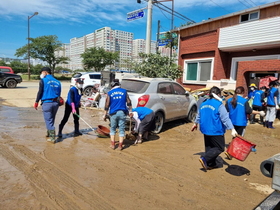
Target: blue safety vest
{"x": 77, "y": 97}
{"x": 210, "y": 122}
{"x": 238, "y": 114}
{"x": 117, "y": 100}
{"x": 52, "y": 88}
{"x": 142, "y": 112}
{"x": 258, "y": 98}
{"x": 271, "y": 95}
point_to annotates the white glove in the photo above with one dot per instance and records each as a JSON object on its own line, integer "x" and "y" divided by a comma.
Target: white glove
{"x": 277, "y": 107}
{"x": 233, "y": 132}
{"x": 262, "y": 113}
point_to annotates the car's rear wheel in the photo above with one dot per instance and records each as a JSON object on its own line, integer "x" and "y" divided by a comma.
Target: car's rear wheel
{"x": 11, "y": 83}
{"x": 192, "y": 114}
{"x": 88, "y": 91}
{"x": 159, "y": 119}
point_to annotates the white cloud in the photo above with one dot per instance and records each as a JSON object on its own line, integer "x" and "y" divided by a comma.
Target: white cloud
{"x": 98, "y": 10}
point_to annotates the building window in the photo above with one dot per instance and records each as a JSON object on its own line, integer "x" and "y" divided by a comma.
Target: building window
{"x": 249, "y": 16}
{"x": 198, "y": 70}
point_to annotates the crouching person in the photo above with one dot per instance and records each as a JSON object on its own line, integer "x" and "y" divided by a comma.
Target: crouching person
{"x": 72, "y": 105}
{"x": 146, "y": 118}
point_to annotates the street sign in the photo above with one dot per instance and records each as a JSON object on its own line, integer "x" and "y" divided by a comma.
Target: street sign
{"x": 135, "y": 15}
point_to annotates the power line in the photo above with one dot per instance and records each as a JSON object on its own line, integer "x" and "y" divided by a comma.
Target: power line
{"x": 243, "y": 4}
{"x": 253, "y": 3}
{"x": 177, "y": 14}
{"x": 220, "y": 6}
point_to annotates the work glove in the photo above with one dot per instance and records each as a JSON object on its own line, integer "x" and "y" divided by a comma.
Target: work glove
{"x": 233, "y": 132}
{"x": 194, "y": 127}
{"x": 262, "y": 113}
{"x": 277, "y": 107}
{"x": 73, "y": 108}
{"x": 36, "y": 105}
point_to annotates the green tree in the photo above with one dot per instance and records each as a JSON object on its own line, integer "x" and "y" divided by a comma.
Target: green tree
{"x": 98, "y": 58}
{"x": 2, "y": 63}
{"x": 155, "y": 65}
{"x": 18, "y": 67}
{"x": 43, "y": 48}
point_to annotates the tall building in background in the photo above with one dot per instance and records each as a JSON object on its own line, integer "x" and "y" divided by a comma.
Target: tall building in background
{"x": 139, "y": 46}
{"x": 110, "y": 40}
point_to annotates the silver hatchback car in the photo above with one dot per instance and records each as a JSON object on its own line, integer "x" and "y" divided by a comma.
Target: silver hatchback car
{"x": 166, "y": 97}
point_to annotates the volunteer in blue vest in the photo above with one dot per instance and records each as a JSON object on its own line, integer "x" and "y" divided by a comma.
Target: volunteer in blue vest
{"x": 238, "y": 108}
{"x": 49, "y": 91}
{"x": 252, "y": 90}
{"x": 272, "y": 104}
{"x": 116, "y": 104}
{"x": 72, "y": 104}
{"x": 146, "y": 124}
{"x": 258, "y": 101}
{"x": 213, "y": 120}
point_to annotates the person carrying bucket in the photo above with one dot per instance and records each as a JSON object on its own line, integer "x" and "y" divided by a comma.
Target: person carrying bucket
{"x": 72, "y": 105}
{"x": 213, "y": 120}
{"x": 238, "y": 108}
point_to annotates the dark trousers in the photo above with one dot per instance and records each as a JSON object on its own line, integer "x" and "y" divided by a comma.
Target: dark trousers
{"x": 240, "y": 129}
{"x": 214, "y": 146}
{"x": 67, "y": 112}
{"x": 147, "y": 124}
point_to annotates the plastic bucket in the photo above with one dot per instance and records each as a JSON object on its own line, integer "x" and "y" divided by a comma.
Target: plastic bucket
{"x": 240, "y": 148}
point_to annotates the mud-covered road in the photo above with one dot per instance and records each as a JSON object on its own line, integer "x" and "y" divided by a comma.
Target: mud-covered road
{"x": 84, "y": 173}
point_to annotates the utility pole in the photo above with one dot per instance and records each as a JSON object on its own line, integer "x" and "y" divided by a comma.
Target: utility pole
{"x": 158, "y": 35}
{"x": 149, "y": 27}
{"x": 172, "y": 20}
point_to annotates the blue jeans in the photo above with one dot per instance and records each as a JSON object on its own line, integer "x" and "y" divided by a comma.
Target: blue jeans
{"x": 118, "y": 119}
{"x": 49, "y": 112}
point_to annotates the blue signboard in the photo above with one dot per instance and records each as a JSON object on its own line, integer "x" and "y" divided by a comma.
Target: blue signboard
{"x": 135, "y": 15}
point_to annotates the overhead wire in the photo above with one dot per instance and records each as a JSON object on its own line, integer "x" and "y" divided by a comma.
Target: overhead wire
{"x": 219, "y": 6}
{"x": 244, "y": 4}
{"x": 177, "y": 14}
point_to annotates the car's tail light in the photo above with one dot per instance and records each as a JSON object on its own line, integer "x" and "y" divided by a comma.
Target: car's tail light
{"x": 143, "y": 100}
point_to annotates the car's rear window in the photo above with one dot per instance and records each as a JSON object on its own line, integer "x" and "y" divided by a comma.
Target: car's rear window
{"x": 135, "y": 86}
{"x": 95, "y": 76}
{"x": 77, "y": 75}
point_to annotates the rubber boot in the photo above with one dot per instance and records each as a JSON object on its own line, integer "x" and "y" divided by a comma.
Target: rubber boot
{"x": 48, "y": 134}
{"x": 52, "y": 136}
{"x": 112, "y": 146}
{"x": 261, "y": 120}
{"x": 120, "y": 146}
{"x": 252, "y": 119}
{"x": 266, "y": 124}
{"x": 60, "y": 128}
{"x": 77, "y": 132}
{"x": 270, "y": 125}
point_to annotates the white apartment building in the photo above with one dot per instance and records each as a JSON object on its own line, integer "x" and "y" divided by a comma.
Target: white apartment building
{"x": 139, "y": 46}
{"x": 110, "y": 40}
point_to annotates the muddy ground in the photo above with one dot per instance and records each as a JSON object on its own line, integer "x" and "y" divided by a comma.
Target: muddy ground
{"x": 83, "y": 173}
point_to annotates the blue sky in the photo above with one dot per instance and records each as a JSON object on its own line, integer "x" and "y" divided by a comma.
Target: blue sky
{"x": 75, "y": 18}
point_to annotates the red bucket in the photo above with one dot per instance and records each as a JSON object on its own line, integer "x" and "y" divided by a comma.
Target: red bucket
{"x": 240, "y": 148}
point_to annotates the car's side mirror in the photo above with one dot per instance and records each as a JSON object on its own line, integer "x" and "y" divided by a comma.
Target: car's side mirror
{"x": 187, "y": 93}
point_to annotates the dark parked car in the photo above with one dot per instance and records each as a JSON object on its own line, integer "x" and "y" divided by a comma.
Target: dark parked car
{"x": 9, "y": 80}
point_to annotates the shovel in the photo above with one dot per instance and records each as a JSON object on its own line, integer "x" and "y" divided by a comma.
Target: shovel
{"x": 130, "y": 136}
{"x": 84, "y": 121}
